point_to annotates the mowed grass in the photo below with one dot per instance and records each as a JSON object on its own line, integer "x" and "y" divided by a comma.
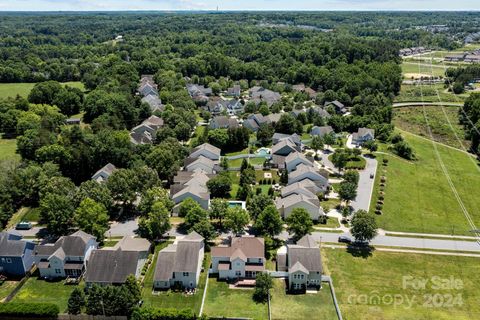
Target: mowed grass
{"x": 6, "y": 288}
{"x": 7, "y": 149}
{"x": 23, "y": 89}
{"x": 418, "y": 197}
{"x": 170, "y": 299}
{"x": 39, "y": 290}
{"x": 412, "y": 119}
{"x": 224, "y": 302}
{"x": 412, "y": 67}
{"x": 360, "y": 281}
{"x": 301, "y": 306}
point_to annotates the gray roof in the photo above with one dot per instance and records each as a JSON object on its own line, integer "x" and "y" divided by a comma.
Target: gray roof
{"x": 10, "y": 247}
{"x": 293, "y": 199}
{"x": 307, "y": 253}
{"x": 274, "y": 117}
{"x": 106, "y": 171}
{"x": 72, "y": 245}
{"x": 165, "y": 263}
{"x": 364, "y": 131}
{"x": 133, "y": 244}
{"x": 282, "y": 144}
{"x": 111, "y": 266}
{"x": 321, "y": 131}
{"x": 208, "y": 147}
{"x": 187, "y": 257}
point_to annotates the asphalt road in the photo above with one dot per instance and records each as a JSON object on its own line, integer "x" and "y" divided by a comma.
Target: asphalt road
{"x": 365, "y": 186}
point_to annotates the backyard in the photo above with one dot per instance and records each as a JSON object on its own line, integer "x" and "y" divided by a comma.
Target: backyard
{"x": 418, "y": 197}
{"x": 224, "y": 302}
{"x": 365, "y": 286}
{"x": 301, "y": 306}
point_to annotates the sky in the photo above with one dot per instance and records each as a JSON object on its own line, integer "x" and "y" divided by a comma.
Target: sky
{"x": 115, "y": 5}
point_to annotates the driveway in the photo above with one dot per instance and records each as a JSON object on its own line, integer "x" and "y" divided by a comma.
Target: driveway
{"x": 124, "y": 228}
{"x": 323, "y": 154}
{"x": 365, "y": 185}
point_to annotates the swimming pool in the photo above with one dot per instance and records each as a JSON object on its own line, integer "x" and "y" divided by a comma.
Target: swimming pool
{"x": 237, "y": 204}
{"x": 263, "y": 152}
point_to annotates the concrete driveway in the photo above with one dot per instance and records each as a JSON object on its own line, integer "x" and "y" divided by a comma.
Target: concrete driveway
{"x": 124, "y": 228}
{"x": 365, "y": 186}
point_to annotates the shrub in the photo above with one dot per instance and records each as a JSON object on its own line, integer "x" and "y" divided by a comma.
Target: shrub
{"x": 379, "y": 207}
{"x": 258, "y": 191}
{"x": 32, "y": 310}
{"x": 381, "y": 197}
{"x": 164, "y": 314}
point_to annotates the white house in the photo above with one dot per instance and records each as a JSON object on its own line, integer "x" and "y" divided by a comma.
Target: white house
{"x": 66, "y": 257}
{"x": 294, "y": 159}
{"x": 180, "y": 264}
{"x": 363, "y": 135}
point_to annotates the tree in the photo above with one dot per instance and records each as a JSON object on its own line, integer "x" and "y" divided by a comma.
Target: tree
{"x": 153, "y": 195}
{"x": 122, "y": 185}
{"x": 288, "y": 124}
{"x": 257, "y": 204}
{"x": 317, "y": 143}
{"x": 218, "y": 209}
{"x": 44, "y": 92}
{"x": 92, "y": 217}
{"x": 187, "y": 205}
{"x": 263, "y": 284}
{"x": 340, "y": 159}
{"x": 194, "y": 216}
{"x": 220, "y": 185}
{"x": 264, "y": 134}
{"x": 205, "y": 229}
{"x": 76, "y": 301}
{"x": 329, "y": 139}
{"x": 284, "y": 177}
{"x": 247, "y": 176}
{"x": 218, "y": 138}
{"x": 404, "y": 150}
{"x": 347, "y": 191}
{"x": 183, "y": 131}
{"x": 268, "y": 222}
{"x": 370, "y": 145}
{"x": 458, "y": 88}
{"x": 133, "y": 287}
{"x": 156, "y": 223}
{"x": 352, "y": 176}
{"x": 58, "y": 211}
{"x": 236, "y": 219}
{"x": 69, "y": 100}
{"x": 299, "y": 223}
{"x": 364, "y": 226}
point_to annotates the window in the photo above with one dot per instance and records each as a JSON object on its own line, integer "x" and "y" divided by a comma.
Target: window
{"x": 9, "y": 260}
{"x": 185, "y": 274}
{"x": 58, "y": 271}
{"x": 301, "y": 276}
{"x": 238, "y": 273}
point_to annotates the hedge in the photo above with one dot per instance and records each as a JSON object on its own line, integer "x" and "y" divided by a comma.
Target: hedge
{"x": 32, "y": 310}
{"x": 164, "y": 314}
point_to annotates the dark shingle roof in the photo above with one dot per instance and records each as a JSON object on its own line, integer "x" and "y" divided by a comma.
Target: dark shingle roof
{"x": 72, "y": 245}
{"x": 111, "y": 266}
{"x": 11, "y": 248}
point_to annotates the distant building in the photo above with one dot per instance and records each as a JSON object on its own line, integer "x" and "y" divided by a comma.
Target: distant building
{"x": 104, "y": 173}
{"x": 321, "y": 131}
{"x": 363, "y": 135}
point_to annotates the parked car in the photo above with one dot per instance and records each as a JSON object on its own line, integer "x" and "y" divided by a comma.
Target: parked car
{"x": 344, "y": 239}
{"x": 372, "y": 175}
{"x": 23, "y": 225}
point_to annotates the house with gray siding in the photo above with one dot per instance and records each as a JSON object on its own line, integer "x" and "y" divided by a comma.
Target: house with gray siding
{"x": 180, "y": 264}
{"x": 16, "y": 254}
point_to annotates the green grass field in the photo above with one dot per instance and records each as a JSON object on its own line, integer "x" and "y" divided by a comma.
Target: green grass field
{"x": 418, "y": 197}
{"x": 38, "y": 290}
{"x": 7, "y": 149}
{"x": 224, "y": 302}
{"x": 412, "y": 119}
{"x": 6, "y": 288}
{"x": 170, "y": 299}
{"x": 23, "y": 89}
{"x": 359, "y": 280}
{"x": 412, "y": 67}
{"x": 301, "y": 306}
{"x": 428, "y": 93}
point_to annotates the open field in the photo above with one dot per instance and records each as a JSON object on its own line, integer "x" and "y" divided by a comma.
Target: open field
{"x": 429, "y": 93}
{"x": 224, "y": 302}
{"x": 418, "y": 197}
{"x": 23, "y": 89}
{"x": 170, "y": 299}
{"x": 412, "y": 67}
{"x": 412, "y": 119}
{"x": 6, "y": 288}
{"x": 7, "y": 149}
{"x": 362, "y": 282}
{"x": 301, "y": 306}
{"x": 38, "y": 290}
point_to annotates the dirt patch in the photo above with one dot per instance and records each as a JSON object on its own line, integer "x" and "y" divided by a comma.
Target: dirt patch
{"x": 416, "y": 75}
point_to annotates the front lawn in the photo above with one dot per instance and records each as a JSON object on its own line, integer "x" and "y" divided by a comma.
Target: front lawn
{"x": 330, "y": 223}
{"x": 224, "y": 302}
{"x": 170, "y": 299}
{"x": 39, "y": 290}
{"x": 301, "y": 306}
{"x": 361, "y": 281}
{"x": 418, "y": 197}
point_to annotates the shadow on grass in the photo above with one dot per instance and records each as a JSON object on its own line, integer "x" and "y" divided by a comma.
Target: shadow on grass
{"x": 360, "y": 251}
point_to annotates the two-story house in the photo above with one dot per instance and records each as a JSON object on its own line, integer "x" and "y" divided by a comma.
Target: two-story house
{"x": 241, "y": 259}
{"x": 66, "y": 257}
{"x": 180, "y": 264}
{"x": 16, "y": 255}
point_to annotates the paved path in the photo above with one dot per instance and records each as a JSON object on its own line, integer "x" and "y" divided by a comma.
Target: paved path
{"x": 419, "y": 104}
{"x": 323, "y": 154}
{"x": 120, "y": 229}
{"x": 365, "y": 185}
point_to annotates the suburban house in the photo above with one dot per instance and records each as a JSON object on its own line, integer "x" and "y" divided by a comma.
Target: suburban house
{"x": 303, "y": 263}
{"x": 103, "y": 174}
{"x": 306, "y": 187}
{"x": 234, "y": 91}
{"x": 66, "y": 257}
{"x": 296, "y": 158}
{"x": 201, "y": 163}
{"x": 284, "y": 147}
{"x": 320, "y": 111}
{"x": 472, "y": 58}
{"x": 304, "y": 171}
{"x": 295, "y": 138}
{"x": 223, "y": 122}
{"x": 194, "y": 186}
{"x": 16, "y": 255}
{"x": 154, "y": 103}
{"x": 337, "y": 106}
{"x": 112, "y": 266}
{"x": 216, "y": 106}
{"x": 145, "y": 132}
{"x": 286, "y": 205}
{"x": 199, "y": 93}
{"x": 234, "y": 107}
{"x": 363, "y": 135}
{"x": 260, "y": 94}
{"x": 206, "y": 150}
{"x": 302, "y": 88}
{"x": 147, "y": 89}
{"x": 243, "y": 258}
{"x": 180, "y": 264}
{"x": 321, "y": 131}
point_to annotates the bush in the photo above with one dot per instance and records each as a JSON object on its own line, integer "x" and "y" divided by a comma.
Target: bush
{"x": 381, "y": 197}
{"x": 385, "y": 162}
{"x": 164, "y": 314}
{"x": 32, "y": 310}
{"x": 379, "y": 207}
